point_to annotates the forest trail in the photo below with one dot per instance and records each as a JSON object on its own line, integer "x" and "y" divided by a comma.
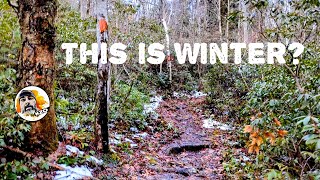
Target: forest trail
{"x": 183, "y": 150}
{"x": 196, "y": 152}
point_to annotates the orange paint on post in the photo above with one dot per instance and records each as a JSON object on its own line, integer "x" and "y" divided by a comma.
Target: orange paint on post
{"x": 103, "y": 25}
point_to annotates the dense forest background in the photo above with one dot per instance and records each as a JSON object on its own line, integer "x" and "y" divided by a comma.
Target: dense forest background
{"x": 273, "y": 110}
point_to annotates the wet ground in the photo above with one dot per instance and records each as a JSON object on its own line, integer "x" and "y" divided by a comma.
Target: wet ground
{"x": 184, "y": 149}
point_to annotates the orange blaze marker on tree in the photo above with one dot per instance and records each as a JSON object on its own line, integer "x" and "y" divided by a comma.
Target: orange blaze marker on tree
{"x": 103, "y": 25}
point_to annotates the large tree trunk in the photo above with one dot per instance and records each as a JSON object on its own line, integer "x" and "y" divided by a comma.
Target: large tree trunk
{"x": 37, "y": 65}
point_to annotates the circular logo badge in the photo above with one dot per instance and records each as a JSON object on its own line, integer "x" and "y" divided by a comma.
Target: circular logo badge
{"x": 32, "y": 103}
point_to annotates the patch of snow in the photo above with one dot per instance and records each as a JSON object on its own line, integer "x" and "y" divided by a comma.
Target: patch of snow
{"x": 232, "y": 143}
{"x": 111, "y": 125}
{"x": 224, "y": 128}
{"x": 180, "y": 94}
{"x": 95, "y": 160}
{"x": 114, "y": 141}
{"x": 134, "y": 129}
{"x": 118, "y": 136}
{"x": 226, "y": 112}
{"x": 156, "y": 99}
{"x": 175, "y": 94}
{"x": 151, "y": 128}
{"x": 128, "y": 140}
{"x": 62, "y": 122}
{"x": 194, "y": 94}
{"x": 210, "y": 123}
{"x": 245, "y": 158}
{"x": 71, "y": 173}
{"x": 77, "y": 126}
{"x": 154, "y": 115}
{"x": 133, "y": 145}
{"x": 197, "y": 94}
{"x": 74, "y": 150}
{"x": 140, "y": 135}
{"x": 153, "y": 93}
{"x": 154, "y": 104}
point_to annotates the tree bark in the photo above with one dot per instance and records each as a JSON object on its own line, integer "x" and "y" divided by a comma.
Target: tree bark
{"x": 211, "y": 15}
{"x": 168, "y": 54}
{"x": 161, "y": 16}
{"x": 83, "y": 9}
{"x": 103, "y": 92}
{"x": 219, "y": 20}
{"x": 245, "y": 22}
{"x": 240, "y": 22}
{"x": 37, "y": 66}
{"x": 227, "y": 21}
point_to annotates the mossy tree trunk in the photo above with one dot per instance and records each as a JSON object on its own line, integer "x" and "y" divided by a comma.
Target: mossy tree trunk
{"x": 37, "y": 66}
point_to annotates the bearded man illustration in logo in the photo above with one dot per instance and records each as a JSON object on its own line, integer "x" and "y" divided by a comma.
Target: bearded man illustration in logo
{"x": 28, "y": 103}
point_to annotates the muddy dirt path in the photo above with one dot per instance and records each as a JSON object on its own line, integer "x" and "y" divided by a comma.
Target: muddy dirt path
{"x": 184, "y": 149}
{"x": 196, "y": 154}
